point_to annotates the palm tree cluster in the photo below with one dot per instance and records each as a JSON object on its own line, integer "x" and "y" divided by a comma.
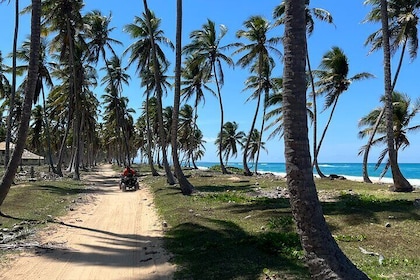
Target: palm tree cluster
{"x": 70, "y": 125}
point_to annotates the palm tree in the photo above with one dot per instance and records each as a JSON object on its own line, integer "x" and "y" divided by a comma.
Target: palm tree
{"x": 310, "y": 14}
{"x": 64, "y": 19}
{"x": 333, "y": 81}
{"x": 404, "y": 113}
{"x": 140, "y": 52}
{"x": 230, "y": 140}
{"x": 197, "y": 147}
{"x": 403, "y": 31}
{"x": 186, "y": 187}
{"x": 254, "y": 148}
{"x": 260, "y": 84}
{"x": 13, "y": 88}
{"x": 185, "y": 132}
{"x": 44, "y": 78}
{"x": 208, "y": 54}
{"x": 14, "y": 162}
{"x": 4, "y": 82}
{"x": 257, "y": 55}
{"x": 116, "y": 76}
{"x": 193, "y": 82}
{"x": 324, "y": 258}
{"x": 153, "y": 58}
{"x": 400, "y": 182}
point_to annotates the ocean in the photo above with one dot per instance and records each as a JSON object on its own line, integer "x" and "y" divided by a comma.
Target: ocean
{"x": 411, "y": 171}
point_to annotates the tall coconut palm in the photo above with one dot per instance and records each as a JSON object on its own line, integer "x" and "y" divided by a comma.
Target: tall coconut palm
{"x": 324, "y": 258}
{"x": 258, "y": 56}
{"x": 140, "y": 52}
{"x": 230, "y": 140}
{"x": 15, "y": 160}
{"x": 404, "y": 112}
{"x": 116, "y": 76}
{"x": 194, "y": 81}
{"x": 154, "y": 62}
{"x": 186, "y": 187}
{"x": 64, "y": 20}
{"x": 259, "y": 84}
{"x": 400, "y": 182}
{"x": 44, "y": 79}
{"x": 334, "y": 81}
{"x": 13, "y": 88}
{"x": 403, "y": 31}
{"x": 208, "y": 54}
{"x": 310, "y": 15}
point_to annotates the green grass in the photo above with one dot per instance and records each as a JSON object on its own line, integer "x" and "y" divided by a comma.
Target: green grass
{"x": 227, "y": 231}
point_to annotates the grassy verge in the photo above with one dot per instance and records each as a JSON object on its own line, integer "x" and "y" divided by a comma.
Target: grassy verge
{"x": 237, "y": 227}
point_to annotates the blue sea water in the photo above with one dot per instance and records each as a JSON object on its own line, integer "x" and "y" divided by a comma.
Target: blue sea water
{"x": 409, "y": 170}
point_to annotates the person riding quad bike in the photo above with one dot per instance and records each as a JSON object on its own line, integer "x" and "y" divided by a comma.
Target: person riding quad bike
{"x": 128, "y": 179}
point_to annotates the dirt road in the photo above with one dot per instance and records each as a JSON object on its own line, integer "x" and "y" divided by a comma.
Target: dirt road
{"x": 116, "y": 235}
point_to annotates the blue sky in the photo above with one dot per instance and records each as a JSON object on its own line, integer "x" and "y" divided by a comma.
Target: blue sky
{"x": 341, "y": 143}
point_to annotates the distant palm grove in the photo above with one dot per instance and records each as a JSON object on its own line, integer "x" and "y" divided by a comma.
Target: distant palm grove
{"x": 72, "y": 126}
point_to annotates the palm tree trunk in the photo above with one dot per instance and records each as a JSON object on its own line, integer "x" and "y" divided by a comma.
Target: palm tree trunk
{"x": 400, "y": 182}
{"x": 149, "y": 137}
{"x": 13, "y": 93}
{"x": 13, "y": 164}
{"x": 261, "y": 133}
{"x": 366, "y": 178}
{"x": 324, "y": 258}
{"x": 186, "y": 187}
{"x": 219, "y": 96}
{"x": 315, "y": 116}
{"x": 323, "y": 136}
{"x": 247, "y": 172}
{"x": 162, "y": 135}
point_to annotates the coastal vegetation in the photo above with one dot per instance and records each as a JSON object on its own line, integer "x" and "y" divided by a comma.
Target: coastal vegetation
{"x": 241, "y": 227}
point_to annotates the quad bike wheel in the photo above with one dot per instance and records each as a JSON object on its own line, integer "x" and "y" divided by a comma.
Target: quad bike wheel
{"x": 123, "y": 187}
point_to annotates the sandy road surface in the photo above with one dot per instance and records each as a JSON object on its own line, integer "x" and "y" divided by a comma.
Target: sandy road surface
{"x": 117, "y": 235}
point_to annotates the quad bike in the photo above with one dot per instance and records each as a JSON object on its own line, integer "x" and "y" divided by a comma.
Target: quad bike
{"x": 129, "y": 183}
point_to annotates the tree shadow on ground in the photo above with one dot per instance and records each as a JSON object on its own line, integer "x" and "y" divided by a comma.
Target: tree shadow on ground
{"x": 108, "y": 249}
{"x": 359, "y": 209}
{"x": 222, "y": 250}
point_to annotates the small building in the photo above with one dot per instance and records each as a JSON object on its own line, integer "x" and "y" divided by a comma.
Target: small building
{"x": 28, "y": 158}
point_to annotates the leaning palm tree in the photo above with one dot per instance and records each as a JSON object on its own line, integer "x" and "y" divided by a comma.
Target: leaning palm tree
{"x": 400, "y": 182}
{"x": 255, "y": 145}
{"x": 332, "y": 81}
{"x": 404, "y": 112}
{"x": 15, "y": 160}
{"x": 323, "y": 256}
{"x": 257, "y": 56}
{"x": 403, "y": 32}
{"x": 208, "y": 54}
{"x": 310, "y": 15}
